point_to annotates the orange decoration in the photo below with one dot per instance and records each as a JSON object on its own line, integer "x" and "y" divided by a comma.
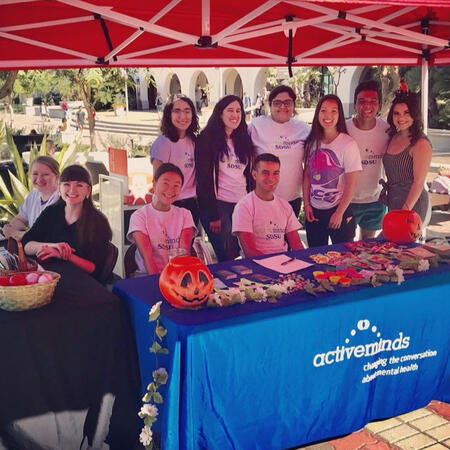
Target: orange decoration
{"x": 402, "y": 226}
{"x": 186, "y": 282}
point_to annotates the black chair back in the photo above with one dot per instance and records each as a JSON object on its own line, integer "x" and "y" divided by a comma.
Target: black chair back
{"x": 129, "y": 261}
{"x": 110, "y": 262}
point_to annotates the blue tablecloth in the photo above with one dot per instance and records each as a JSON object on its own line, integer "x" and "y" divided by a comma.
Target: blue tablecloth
{"x": 271, "y": 376}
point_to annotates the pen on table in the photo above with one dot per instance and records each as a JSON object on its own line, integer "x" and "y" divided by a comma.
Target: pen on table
{"x": 287, "y": 261}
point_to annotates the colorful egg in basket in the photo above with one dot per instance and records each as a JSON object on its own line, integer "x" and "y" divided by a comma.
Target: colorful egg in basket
{"x": 16, "y": 296}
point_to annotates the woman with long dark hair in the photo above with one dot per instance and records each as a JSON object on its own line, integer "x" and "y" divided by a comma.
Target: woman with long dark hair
{"x": 407, "y": 158}
{"x": 175, "y": 145}
{"x": 223, "y": 156}
{"x": 332, "y": 166}
{"x": 72, "y": 229}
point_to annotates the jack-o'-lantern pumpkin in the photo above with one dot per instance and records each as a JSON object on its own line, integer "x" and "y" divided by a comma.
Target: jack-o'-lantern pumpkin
{"x": 402, "y": 226}
{"x": 186, "y": 282}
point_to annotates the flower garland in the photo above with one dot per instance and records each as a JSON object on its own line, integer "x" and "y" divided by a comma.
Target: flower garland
{"x": 149, "y": 411}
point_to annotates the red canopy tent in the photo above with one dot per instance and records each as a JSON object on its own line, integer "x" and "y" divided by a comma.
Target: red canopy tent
{"x": 78, "y": 33}
{"x": 158, "y": 33}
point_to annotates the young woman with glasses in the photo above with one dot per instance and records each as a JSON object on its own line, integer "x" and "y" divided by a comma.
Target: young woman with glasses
{"x": 283, "y": 136}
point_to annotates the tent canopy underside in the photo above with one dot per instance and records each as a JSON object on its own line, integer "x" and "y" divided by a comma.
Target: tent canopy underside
{"x": 96, "y": 33}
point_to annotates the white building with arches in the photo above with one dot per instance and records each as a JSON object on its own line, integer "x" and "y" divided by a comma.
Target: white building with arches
{"x": 221, "y": 81}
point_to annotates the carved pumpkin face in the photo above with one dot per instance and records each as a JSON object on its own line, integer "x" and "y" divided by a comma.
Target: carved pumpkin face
{"x": 402, "y": 226}
{"x": 185, "y": 282}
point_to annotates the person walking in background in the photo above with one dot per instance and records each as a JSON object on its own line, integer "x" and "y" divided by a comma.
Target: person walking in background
{"x": 94, "y": 113}
{"x": 223, "y": 155}
{"x": 198, "y": 99}
{"x": 247, "y": 106}
{"x": 80, "y": 115}
{"x": 175, "y": 145}
{"x": 159, "y": 105}
{"x": 44, "y": 112}
{"x": 264, "y": 222}
{"x": 64, "y": 107}
{"x": 332, "y": 167}
{"x": 282, "y": 135}
{"x": 407, "y": 158}
{"x": 370, "y": 133}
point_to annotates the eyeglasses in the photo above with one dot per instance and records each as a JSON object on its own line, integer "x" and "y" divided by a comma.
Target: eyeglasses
{"x": 279, "y": 103}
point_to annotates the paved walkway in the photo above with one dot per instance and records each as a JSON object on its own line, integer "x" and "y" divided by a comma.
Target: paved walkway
{"x": 426, "y": 428}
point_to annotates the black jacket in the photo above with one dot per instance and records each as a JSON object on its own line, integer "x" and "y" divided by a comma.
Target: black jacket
{"x": 207, "y": 175}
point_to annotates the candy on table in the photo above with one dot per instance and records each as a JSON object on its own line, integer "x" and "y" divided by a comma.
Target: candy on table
{"x": 345, "y": 281}
{"x": 334, "y": 279}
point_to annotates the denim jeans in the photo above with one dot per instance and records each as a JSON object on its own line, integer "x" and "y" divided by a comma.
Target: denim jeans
{"x": 225, "y": 245}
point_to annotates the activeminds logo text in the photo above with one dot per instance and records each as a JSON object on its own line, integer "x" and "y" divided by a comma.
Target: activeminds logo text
{"x": 345, "y": 352}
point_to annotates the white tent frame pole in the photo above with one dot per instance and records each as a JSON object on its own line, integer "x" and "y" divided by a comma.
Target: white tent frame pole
{"x": 49, "y": 23}
{"x": 206, "y": 18}
{"x": 149, "y": 51}
{"x": 56, "y": 48}
{"x": 419, "y": 37}
{"x": 123, "y": 44}
{"x": 424, "y": 96}
{"x": 124, "y": 19}
{"x": 243, "y": 20}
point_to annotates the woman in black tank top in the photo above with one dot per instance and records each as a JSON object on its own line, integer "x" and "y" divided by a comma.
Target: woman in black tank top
{"x": 407, "y": 158}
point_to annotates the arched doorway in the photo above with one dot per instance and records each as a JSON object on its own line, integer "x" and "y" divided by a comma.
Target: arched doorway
{"x": 151, "y": 93}
{"x": 175, "y": 85}
{"x": 233, "y": 83}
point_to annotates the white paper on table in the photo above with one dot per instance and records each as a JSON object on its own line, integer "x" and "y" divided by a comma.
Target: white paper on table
{"x": 275, "y": 263}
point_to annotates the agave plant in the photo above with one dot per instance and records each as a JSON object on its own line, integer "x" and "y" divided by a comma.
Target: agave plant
{"x": 20, "y": 182}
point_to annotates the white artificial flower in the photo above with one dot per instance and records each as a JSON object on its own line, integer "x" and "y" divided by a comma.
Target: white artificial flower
{"x": 155, "y": 307}
{"x": 236, "y": 294}
{"x": 260, "y": 295}
{"x": 160, "y": 374}
{"x": 288, "y": 285}
{"x": 216, "y": 298}
{"x": 424, "y": 265}
{"x": 399, "y": 273}
{"x": 146, "y": 436}
{"x": 149, "y": 410}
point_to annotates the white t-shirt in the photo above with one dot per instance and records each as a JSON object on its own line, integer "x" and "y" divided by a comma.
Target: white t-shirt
{"x": 232, "y": 183}
{"x": 163, "y": 229}
{"x": 284, "y": 140}
{"x": 32, "y": 207}
{"x": 372, "y": 146}
{"x": 327, "y": 165}
{"x": 269, "y": 221}
{"x": 180, "y": 153}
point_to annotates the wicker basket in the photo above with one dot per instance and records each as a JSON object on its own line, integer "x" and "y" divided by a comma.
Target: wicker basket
{"x": 25, "y": 265}
{"x": 21, "y": 298}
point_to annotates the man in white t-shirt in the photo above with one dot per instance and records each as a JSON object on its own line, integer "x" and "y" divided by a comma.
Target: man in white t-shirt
{"x": 283, "y": 136}
{"x": 369, "y": 132}
{"x": 263, "y": 222}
